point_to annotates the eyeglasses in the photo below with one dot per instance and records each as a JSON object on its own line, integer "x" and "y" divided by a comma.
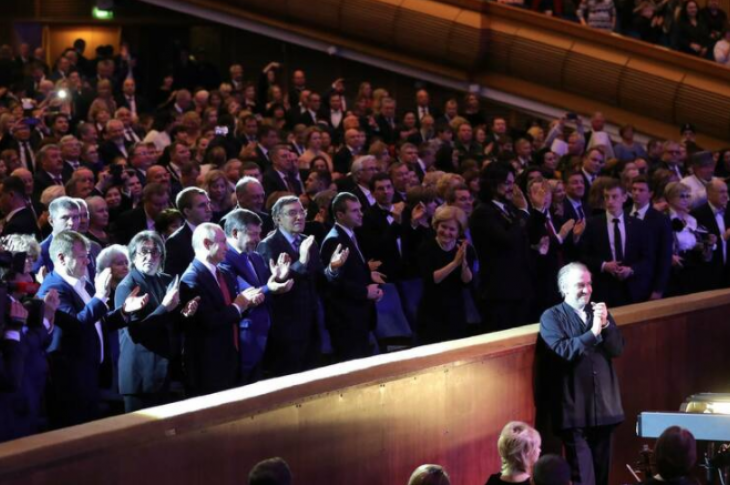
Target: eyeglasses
{"x": 294, "y": 213}
{"x": 149, "y": 252}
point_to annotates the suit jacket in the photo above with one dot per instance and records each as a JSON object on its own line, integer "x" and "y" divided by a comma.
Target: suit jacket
{"x": 142, "y": 104}
{"x": 258, "y": 319}
{"x": 41, "y": 181}
{"x": 12, "y": 359}
{"x": 389, "y": 134}
{"x": 659, "y": 228}
{"x": 595, "y": 250}
{"x": 8, "y": 142}
{"x": 128, "y": 224}
{"x": 272, "y": 182}
{"x": 347, "y": 184}
{"x": 179, "y": 249}
{"x": 715, "y": 273}
{"x": 577, "y": 369}
{"x": 209, "y": 351}
{"x": 379, "y": 241}
{"x": 346, "y": 297}
{"x": 262, "y": 158}
{"x": 150, "y": 340}
{"x": 109, "y": 150}
{"x": 77, "y": 346}
{"x": 45, "y": 257}
{"x": 23, "y": 222}
{"x": 294, "y": 314}
{"x": 502, "y": 243}
{"x": 342, "y": 160}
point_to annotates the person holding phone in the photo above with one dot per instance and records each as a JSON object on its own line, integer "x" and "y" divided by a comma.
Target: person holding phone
{"x": 151, "y": 341}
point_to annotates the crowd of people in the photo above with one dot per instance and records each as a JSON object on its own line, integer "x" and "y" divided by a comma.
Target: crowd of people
{"x": 213, "y": 238}
{"x": 678, "y": 24}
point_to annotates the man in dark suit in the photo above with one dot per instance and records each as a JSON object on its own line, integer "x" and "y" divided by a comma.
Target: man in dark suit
{"x": 23, "y": 143}
{"x": 334, "y": 115}
{"x": 424, "y": 107}
{"x": 151, "y": 341}
{"x": 268, "y": 138}
{"x": 671, "y": 160}
{"x": 63, "y": 215}
{"x": 501, "y": 234}
{"x": 616, "y": 248}
{"x": 387, "y": 122}
{"x": 50, "y": 169}
{"x": 350, "y": 298}
{"x": 293, "y": 340}
{"x": 243, "y": 232}
{"x": 78, "y": 350}
{"x": 358, "y": 182}
{"x": 129, "y": 99}
{"x": 425, "y": 131}
{"x": 593, "y": 161}
{"x": 19, "y": 219}
{"x": 343, "y": 158}
{"x": 714, "y": 217}
{"x": 251, "y": 196}
{"x": 659, "y": 229}
{"x": 408, "y": 154}
{"x": 310, "y": 116}
{"x": 211, "y": 342}
{"x": 283, "y": 175}
{"x": 194, "y": 205}
{"x": 155, "y": 199}
{"x": 115, "y": 144}
{"x": 584, "y": 401}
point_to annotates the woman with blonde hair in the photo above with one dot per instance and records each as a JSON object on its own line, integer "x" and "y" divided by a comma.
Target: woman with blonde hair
{"x": 429, "y": 475}
{"x": 313, "y": 142}
{"x": 378, "y": 96}
{"x": 219, "y": 191}
{"x": 519, "y": 448}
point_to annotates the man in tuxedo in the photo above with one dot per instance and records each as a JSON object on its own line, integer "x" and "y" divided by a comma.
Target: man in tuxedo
{"x": 243, "y": 232}
{"x": 659, "y": 228}
{"x": 155, "y": 199}
{"x": 251, "y": 196}
{"x": 616, "y": 248}
{"x": 400, "y": 175}
{"x": 350, "y": 298}
{"x": 358, "y": 182}
{"x": 387, "y": 122}
{"x": 50, "y": 169}
{"x": 501, "y": 232}
{"x": 293, "y": 343}
{"x": 115, "y": 145}
{"x": 714, "y": 217}
{"x": 19, "y": 219}
{"x": 344, "y": 156}
{"x": 584, "y": 401}
{"x": 283, "y": 175}
{"x": 79, "y": 348}
{"x": 194, "y": 204}
{"x": 211, "y": 343}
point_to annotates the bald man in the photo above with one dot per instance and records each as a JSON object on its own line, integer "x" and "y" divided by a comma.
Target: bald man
{"x": 714, "y": 216}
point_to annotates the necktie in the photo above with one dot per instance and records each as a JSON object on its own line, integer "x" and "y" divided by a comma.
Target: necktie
{"x": 227, "y": 298}
{"x": 248, "y": 269}
{"x": 292, "y": 185}
{"x": 27, "y": 156}
{"x": 636, "y": 214}
{"x": 57, "y": 180}
{"x": 354, "y": 243}
{"x": 581, "y": 214}
{"x": 296, "y": 243}
{"x": 617, "y": 242}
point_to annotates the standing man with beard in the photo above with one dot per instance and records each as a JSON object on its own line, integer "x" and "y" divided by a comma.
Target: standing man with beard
{"x": 584, "y": 401}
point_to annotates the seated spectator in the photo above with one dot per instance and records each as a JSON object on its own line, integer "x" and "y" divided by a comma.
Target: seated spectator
{"x": 693, "y": 36}
{"x": 551, "y": 470}
{"x": 627, "y": 149}
{"x": 519, "y": 448}
{"x": 429, "y": 475}
{"x": 721, "y": 51}
{"x": 167, "y": 222}
{"x": 675, "y": 454}
{"x": 116, "y": 258}
{"x": 272, "y": 471}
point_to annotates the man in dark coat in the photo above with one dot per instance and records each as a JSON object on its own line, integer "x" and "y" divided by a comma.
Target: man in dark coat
{"x": 585, "y": 401}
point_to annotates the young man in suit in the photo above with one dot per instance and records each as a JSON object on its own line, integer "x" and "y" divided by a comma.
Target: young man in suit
{"x": 155, "y": 199}
{"x": 350, "y": 298}
{"x": 293, "y": 340}
{"x": 78, "y": 350}
{"x": 64, "y": 215}
{"x": 19, "y": 219}
{"x": 194, "y": 205}
{"x": 616, "y": 248}
{"x": 584, "y": 399}
{"x": 387, "y": 121}
{"x": 283, "y": 175}
{"x": 243, "y": 233}
{"x": 211, "y": 343}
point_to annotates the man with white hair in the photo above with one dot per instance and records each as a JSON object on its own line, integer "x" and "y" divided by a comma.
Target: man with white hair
{"x": 211, "y": 336}
{"x": 584, "y": 400}
{"x": 358, "y": 182}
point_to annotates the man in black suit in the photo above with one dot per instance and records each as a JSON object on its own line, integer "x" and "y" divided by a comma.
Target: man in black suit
{"x": 714, "y": 217}
{"x": 334, "y": 115}
{"x": 77, "y": 358}
{"x": 251, "y": 196}
{"x": 19, "y": 219}
{"x": 310, "y": 116}
{"x": 659, "y": 228}
{"x": 408, "y": 154}
{"x": 358, "y": 182}
{"x": 574, "y": 209}
{"x": 584, "y": 401}
{"x": 155, "y": 199}
{"x": 671, "y": 159}
{"x": 616, "y": 248}
{"x": 293, "y": 340}
{"x": 23, "y": 143}
{"x": 243, "y": 232}
{"x": 50, "y": 169}
{"x": 344, "y": 156}
{"x": 424, "y": 107}
{"x": 194, "y": 205}
{"x": 387, "y": 122}
{"x": 425, "y": 131}
{"x": 298, "y": 86}
{"x": 283, "y": 175}
{"x": 129, "y": 99}
{"x": 268, "y": 138}
{"x": 501, "y": 232}
{"x": 115, "y": 144}
{"x": 593, "y": 162}
{"x": 211, "y": 342}
{"x": 350, "y": 298}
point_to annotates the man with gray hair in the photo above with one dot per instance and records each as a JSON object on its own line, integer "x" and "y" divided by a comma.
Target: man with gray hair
{"x": 84, "y": 316}
{"x": 251, "y": 196}
{"x": 583, "y": 397}
{"x": 358, "y": 182}
{"x": 50, "y": 169}
{"x": 211, "y": 344}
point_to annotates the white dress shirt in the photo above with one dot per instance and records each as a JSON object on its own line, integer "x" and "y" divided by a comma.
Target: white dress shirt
{"x": 622, "y": 230}
{"x": 79, "y": 286}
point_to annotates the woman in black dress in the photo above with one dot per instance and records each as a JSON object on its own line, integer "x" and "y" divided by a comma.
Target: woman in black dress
{"x": 519, "y": 448}
{"x": 446, "y": 267}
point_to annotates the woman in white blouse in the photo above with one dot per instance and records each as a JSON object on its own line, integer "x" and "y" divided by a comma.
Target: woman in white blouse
{"x": 692, "y": 244}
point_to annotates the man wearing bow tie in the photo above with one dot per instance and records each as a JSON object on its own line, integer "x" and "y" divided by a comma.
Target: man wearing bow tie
{"x": 584, "y": 401}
